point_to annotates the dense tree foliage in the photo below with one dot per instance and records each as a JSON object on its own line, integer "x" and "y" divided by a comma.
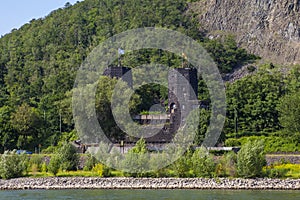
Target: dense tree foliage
{"x": 227, "y": 54}
{"x": 290, "y": 112}
{"x": 265, "y": 105}
{"x": 252, "y": 102}
{"x": 38, "y": 62}
{"x": 38, "y": 65}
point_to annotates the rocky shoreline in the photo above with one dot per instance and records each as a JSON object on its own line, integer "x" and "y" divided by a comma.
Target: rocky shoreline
{"x": 149, "y": 183}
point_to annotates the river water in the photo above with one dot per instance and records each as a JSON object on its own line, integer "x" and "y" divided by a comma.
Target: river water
{"x": 150, "y": 194}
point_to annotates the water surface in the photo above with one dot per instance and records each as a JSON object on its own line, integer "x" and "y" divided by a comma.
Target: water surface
{"x": 150, "y": 194}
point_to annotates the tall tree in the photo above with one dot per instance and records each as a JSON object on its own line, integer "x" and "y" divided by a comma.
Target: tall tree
{"x": 289, "y": 110}
{"x": 27, "y": 122}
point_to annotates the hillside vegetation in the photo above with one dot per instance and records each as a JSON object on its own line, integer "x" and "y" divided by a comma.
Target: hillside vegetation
{"x": 38, "y": 65}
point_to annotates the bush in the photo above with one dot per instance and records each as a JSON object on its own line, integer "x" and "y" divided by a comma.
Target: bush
{"x": 163, "y": 172}
{"x": 44, "y": 167}
{"x": 182, "y": 166}
{"x": 101, "y": 170}
{"x": 36, "y": 161}
{"x": 12, "y": 165}
{"x": 68, "y": 157}
{"x": 203, "y": 163}
{"x": 54, "y": 164}
{"x": 90, "y": 162}
{"x": 251, "y": 68}
{"x": 136, "y": 161}
{"x": 232, "y": 142}
{"x": 227, "y": 165}
{"x": 273, "y": 143}
{"x": 49, "y": 150}
{"x": 276, "y": 172}
{"x": 281, "y": 144}
{"x": 251, "y": 159}
{"x": 34, "y": 169}
{"x": 155, "y": 163}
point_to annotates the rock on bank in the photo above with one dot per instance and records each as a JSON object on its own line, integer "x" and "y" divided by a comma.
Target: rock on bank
{"x": 148, "y": 183}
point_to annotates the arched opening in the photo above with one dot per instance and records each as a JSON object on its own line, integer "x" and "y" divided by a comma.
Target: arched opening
{"x": 173, "y": 107}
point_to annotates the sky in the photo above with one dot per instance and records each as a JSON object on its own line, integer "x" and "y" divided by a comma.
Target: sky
{"x": 15, "y": 13}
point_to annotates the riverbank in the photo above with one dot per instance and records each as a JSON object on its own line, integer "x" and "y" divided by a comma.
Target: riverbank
{"x": 149, "y": 183}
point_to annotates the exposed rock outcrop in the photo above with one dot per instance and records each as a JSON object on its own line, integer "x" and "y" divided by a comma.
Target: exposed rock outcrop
{"x": 268, "y": 28}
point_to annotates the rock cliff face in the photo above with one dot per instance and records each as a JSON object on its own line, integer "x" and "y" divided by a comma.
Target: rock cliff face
{"x": 268, "y": 28}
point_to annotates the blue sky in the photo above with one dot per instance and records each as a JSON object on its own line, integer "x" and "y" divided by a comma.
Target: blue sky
{"x": 15, "y": 13}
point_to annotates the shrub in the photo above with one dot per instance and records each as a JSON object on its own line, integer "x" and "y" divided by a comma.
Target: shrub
{"x": 163, "y": 172}
{"x": 34, "y": 169}
{"x": 68, "y": 157}
{"x": 181, "y": 166}
{"x": 101, "y": 170}
{"x": 231, "y": 162}
{"x": 90, "y": 162}
{"x": 155, "y": 163}
{"x": 276, "y": 172}
{"x": 221, "y": 170}
{"x": 251, "y": 68}
{"x": 280, "y": 144}
{"x": 232, "y": 142}
{"x": 37, "y": 161}
{"x": 54, "y": 164}
{"x": 227, "y": 165}
{"x": 136, "y": 161}
{"x": 49, "y": 150}
{"x": 44, "y": 167}
{"x": 251, "y": 159}
{"x": 203, "y": 163}
{"x": 12, "y": 165}
{"x": 292, "y": 169}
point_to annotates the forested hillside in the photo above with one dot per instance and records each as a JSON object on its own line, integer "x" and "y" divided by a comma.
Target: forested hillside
{"x": 38, "y": 65}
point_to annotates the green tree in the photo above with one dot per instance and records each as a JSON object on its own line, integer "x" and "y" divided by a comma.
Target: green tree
{"x": 182, "y": 165}
{"x": 292, "y": 83}
{"x": 7, "y": 134}
{"x": 137, "y": 160}
{"x": 103, "y": 108}
{"x": 289, "y": 109}
{"x": 68, "y": 156}
{"x": 227, "y": 54}
{"x": 12, "y": 165}
{"x": 54, "y": 164}
{"x": 251, "y": 159}
{"x": 27, "y": 122}
{"x": 203, "y": 126}
{"x": 203, "y": 163}
{"x": 252, "y": 102}
{"x": 103, "y": 105}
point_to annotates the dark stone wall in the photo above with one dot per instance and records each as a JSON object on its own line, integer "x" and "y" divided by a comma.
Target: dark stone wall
{"x": 119, "y": 72}
{"x": 181, "y": 89}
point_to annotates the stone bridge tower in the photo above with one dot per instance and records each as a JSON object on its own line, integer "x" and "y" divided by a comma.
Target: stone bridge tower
{"x": 183, "y": 92}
